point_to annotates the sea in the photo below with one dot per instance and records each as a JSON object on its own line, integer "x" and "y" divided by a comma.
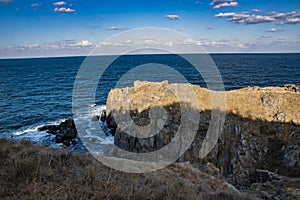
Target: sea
{"x": 38, "y": 91}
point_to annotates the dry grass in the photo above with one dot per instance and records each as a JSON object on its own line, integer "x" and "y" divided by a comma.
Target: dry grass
{"x": 35, "y": 172}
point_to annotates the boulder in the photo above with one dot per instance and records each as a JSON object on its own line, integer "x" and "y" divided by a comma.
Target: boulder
{"x": 65, "y": 132}
{"x": 103, "y": 116}
{"x": 49, "y": 128}
{"x": 95, "y": 118}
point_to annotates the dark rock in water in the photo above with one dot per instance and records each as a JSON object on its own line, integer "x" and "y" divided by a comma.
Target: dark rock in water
{"x": 93, "y": 105}
{"x": 103, "y": 115}
{"x": 69, "y": 123}
{"x": 73, "y": 141}
{"x": 66, "y": 143}
{"x": 70, "y": 134}
{"x": 111, "y": 123}
{"x": 58, "y": 139}
{"x": 64, "y": 133}
{"x": 50, "y": 129}
{"x": 95, "y": 118}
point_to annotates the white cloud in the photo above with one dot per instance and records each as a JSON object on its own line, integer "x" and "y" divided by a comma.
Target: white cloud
{"x": 226, "y": 4}
{"x": 84, "y": 47}
{"x": 292, "y": 17}
{"x": 115, "y": 44}
{"x": 59, "y": 3}
{"x": 189, "y": 42}
{"x": 286, "y": 18}
{"x": 35, "y": 4}
{"x": 6, "y": 1}
{"x": 172, "y": 17}
{"x": 223, "y": 3}
{"x": 179, "y": 45}
{"x": 63, "y": 9}
{"x": 214, "y": 2}
{"x": 116, "y": 28}
{"x": 229, "y": 14}
{"x": 151, "y": 42}
{"x": 83, "y": 43}
{"x": 272, "y": 30}
{"x": 256, "y": 10}
{"x": 293, "y": 20}
{"x": 65, "y": 44}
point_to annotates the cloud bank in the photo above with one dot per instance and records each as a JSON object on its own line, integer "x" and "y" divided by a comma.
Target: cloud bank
{"x": 65, "y": 44}
{"x": 278, "y": 18}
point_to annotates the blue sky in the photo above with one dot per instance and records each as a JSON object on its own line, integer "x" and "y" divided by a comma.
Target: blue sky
{"x": 33, "y": 28}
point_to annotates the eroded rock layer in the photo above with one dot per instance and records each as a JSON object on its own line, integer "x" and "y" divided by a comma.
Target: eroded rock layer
{"x": 258, "y": 144}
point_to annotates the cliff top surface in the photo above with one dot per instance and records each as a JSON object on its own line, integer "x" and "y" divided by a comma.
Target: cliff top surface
{"x": 279, "y": 104}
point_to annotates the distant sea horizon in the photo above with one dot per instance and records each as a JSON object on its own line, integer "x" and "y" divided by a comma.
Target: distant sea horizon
{"x": 209, "y": 53}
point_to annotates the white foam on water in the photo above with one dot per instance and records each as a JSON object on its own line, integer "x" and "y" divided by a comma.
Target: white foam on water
{"x": 96, "y": 110}
{"x": 90, "y": 126}
{"x": 32, "y": 133}
{"x": 108, "y": 140}
{"x": 34, "y": 128}
{"x": 28, "y": 130}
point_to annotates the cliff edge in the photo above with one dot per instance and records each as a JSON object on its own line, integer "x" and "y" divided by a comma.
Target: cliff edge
{"x": 258, "y": 145}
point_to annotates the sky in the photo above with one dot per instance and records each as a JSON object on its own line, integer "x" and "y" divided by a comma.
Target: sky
{"x": 45, "y": 28}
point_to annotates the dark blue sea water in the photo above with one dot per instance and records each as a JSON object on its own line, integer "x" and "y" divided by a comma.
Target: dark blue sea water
{"x": 39, "y": 91}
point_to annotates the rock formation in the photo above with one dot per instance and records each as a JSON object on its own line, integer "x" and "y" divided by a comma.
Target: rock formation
{"x": 65, "y": 132}
{"x": 258, "y": 148}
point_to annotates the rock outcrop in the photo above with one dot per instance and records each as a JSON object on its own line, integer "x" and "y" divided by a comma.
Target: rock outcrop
{"x": 65, "y": 132}
{"x": 258, "y": 148}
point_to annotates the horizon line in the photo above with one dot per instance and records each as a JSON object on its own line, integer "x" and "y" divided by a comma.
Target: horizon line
{"x": 73, "y": 56}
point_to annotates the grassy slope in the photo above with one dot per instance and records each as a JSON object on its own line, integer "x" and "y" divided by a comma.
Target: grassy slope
{"x": 35, "y": 172}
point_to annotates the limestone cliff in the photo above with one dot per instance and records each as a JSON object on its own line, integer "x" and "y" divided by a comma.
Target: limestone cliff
{"x": 258, "y": 146}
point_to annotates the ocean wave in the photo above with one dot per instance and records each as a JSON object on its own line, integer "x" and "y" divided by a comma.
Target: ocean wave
{"x": 32, "y": 133}
{"x": 34, "y": 128}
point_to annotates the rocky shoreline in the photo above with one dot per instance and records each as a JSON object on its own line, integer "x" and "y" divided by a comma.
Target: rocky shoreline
{"x": 65, "y": 132}
{"x": 257, "y": 151}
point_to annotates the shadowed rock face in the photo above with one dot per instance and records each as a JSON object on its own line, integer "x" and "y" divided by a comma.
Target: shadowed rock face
{"x": 65, "y": 132}
{"x": 258, "y": 145}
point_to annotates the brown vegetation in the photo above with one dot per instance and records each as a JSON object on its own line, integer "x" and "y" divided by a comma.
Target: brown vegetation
{"x": 36, "y": 172}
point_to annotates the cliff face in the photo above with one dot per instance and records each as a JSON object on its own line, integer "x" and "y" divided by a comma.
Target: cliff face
{"x": 258, "y": 146}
